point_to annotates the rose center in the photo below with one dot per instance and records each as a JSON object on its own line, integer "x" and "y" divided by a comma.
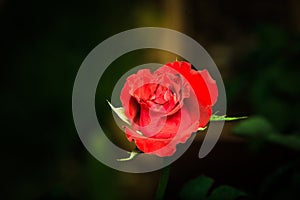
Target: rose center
{"x": 157, "y": 97}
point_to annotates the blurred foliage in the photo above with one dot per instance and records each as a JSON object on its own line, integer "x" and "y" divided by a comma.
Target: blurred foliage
{"x": 200, "y": 188}
{"x": 283, "y": 183}
{"x": 269, "y": 74}
{"x": 267, "y": 78}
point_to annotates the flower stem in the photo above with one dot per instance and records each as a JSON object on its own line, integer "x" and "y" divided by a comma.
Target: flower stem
{"x": 163, "y": 182}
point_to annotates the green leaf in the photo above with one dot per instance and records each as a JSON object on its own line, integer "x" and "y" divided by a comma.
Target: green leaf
{"x": 260, "y": 128}
{"x": 120, "y": 112}
{"x": 196, "y": 188}
{"x": 199, "y": 189}
{"x": 225, "y": 192}
{"x": 215, "y": 118}
{"x": 256, "y": 126}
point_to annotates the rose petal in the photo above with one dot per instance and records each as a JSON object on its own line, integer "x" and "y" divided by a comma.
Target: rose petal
{"x": 131, "y": 108}
{"x": 204, "y": 86}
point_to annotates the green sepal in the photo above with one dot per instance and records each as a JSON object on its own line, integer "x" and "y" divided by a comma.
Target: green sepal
{"x": 202, "y": 129}
{"x": 131, "y": 156}
{"x": 216, "y": 118}
{"x": 120, "y": 112}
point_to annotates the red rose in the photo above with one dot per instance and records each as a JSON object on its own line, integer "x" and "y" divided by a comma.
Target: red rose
{"x": 167, "y": 106}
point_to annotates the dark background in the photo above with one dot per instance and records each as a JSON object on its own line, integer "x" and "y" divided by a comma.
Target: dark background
{"x": 255, "y": 44}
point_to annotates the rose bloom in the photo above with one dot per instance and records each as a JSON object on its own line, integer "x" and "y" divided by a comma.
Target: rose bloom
{"x": 165, "y": 107}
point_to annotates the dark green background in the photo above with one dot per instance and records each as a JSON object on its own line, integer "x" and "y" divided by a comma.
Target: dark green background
{"x": 256, "y": 45}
